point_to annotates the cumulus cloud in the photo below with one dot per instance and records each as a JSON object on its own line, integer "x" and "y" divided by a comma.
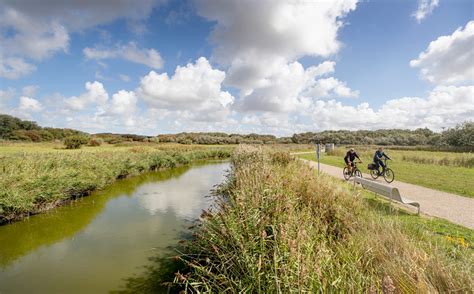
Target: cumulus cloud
{"x": 29, "y": 105}
{"x": 253, "y": 38}
{"x": 449, "y": 59}
{"x": 445, "y": 106}
{"x": 195, "y": 88}
{"x": 36, "y": 30}
{"x": 259, "y": 43}
{"x": 123, "y": 102}
{"x": 294, "y": 88}
{"x": 95, "y": 95}
{"x": 331, "y": 87}
{"x": 130, "y": 52}
{"x": 425, "y": 8}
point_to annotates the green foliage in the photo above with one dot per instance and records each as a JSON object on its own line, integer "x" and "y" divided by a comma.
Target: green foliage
{"x": 75, "y": 142}
{"x": 12, "y": 128}
{"x": 461, "y": 135}
{"x": 218, "y": 138}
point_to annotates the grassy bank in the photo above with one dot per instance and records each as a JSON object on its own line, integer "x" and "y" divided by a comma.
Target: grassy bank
{"x": 37, "y": 177}
{"x": 280, "y": 228}
{"x": 444, "y": 171}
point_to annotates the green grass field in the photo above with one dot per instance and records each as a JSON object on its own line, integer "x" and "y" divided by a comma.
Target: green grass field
{"x": 36, "y": 177}
{"x": 281, "y": 228}
{"x": 444, "y": 171}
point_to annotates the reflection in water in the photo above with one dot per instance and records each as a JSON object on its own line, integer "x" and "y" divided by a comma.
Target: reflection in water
{"x": 17, "y": 239}
{"x": 173, "y": 196}
{"x": 93, "y": 244}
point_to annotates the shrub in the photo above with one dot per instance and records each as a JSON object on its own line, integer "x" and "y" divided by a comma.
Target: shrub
{"x": 75, "y": 142}
{"x": 95, "y": 142}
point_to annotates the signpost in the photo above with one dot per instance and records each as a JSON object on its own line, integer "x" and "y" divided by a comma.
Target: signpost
{"x": 318, "y": 155}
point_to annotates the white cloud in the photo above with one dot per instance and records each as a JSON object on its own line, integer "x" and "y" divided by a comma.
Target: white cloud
{"x": 194, "y": 88}
{"x": 123, "y": 102}
{"x": 39, "y": 29}
{"x": 425, "y": 8}
{"x": 449, "y": 59}
{"x": 130, "y": 52}
{"x": 294, "y": 88}
{"x": 14, "y": 67}
{"x": 445, "y": 106}
{"x": 259, "y": 43}
{"x": 253, "y": 38}
{"x": 331, "y": 87}
{"x": 95, "y": 95}
{"x": 29, "y": 105}
{"x": 36, "y": 39}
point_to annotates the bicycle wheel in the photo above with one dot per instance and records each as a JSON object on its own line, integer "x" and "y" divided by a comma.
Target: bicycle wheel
{"x": 358, "y": 173}
{"x": 374, "y": 173}
{"x": 389, "y": 175}
{"x": 347, "y": 174}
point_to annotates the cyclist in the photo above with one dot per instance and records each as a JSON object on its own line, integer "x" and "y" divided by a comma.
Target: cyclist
{"x": 350, "y": 157}
{"x": 379, "y": 154}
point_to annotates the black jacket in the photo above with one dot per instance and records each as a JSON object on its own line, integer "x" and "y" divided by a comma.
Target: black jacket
{"x": 351, "y": 156}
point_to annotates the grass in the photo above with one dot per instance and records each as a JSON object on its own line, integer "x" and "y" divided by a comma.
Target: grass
{"x": 36, "y": 177}
{"x": 278, "y": 227}
{"x": 418, "y": 167}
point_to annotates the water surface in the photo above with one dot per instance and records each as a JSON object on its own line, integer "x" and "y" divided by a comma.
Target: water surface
{"x": 92, "y": 245}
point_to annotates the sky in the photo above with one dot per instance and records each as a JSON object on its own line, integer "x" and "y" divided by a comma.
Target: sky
{"x": 237, "y": 66}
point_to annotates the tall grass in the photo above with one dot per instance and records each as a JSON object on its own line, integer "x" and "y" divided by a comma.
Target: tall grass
{"x": 34, "y": 181}
{"x": 462, "y": 160}
{"x": 279, "y": 228}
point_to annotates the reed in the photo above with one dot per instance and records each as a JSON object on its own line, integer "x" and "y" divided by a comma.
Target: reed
{"x": 279, "y": 228}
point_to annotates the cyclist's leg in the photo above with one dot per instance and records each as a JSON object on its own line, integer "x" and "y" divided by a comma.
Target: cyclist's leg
{"x": 383, "y": 165}
{"x": 377, "y": 165}
{"x": 348, "y": 164}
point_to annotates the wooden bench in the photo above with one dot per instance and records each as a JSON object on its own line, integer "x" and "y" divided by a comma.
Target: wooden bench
{"x": 390, "y": 192}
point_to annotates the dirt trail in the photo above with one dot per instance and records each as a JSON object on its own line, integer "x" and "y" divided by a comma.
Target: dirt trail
{"x": 455, "y": 208}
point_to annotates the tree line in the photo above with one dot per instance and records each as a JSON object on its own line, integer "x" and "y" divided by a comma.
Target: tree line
{"x": 12, "y": 128}
{"x": 460, "y": 136}
{"x": 15, "y": 129}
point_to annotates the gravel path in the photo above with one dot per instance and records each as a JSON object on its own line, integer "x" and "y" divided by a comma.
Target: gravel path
{"x": 457, "y": 209}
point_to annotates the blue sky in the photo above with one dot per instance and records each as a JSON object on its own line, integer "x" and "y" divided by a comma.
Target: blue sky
{"x": 280, "y": 67}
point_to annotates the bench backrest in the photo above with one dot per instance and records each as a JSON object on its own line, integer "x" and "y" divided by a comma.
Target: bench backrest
{"x": 381, "y": 189}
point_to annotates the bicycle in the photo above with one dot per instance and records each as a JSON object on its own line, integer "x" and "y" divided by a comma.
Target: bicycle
{"x": 355, "y": 171}
{"x": 387, "y": 173}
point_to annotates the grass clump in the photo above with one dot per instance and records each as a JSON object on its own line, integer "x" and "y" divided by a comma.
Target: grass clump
{"x": 280, "y": 228}
{"x": 34, "y": 181}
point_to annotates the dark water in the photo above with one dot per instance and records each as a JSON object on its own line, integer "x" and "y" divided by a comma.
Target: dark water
{"x": 96, "y": 243}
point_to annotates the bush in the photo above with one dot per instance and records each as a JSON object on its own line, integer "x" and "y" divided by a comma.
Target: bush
{"x": 95, "y": 142}
{"x": 75, "y": 142}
